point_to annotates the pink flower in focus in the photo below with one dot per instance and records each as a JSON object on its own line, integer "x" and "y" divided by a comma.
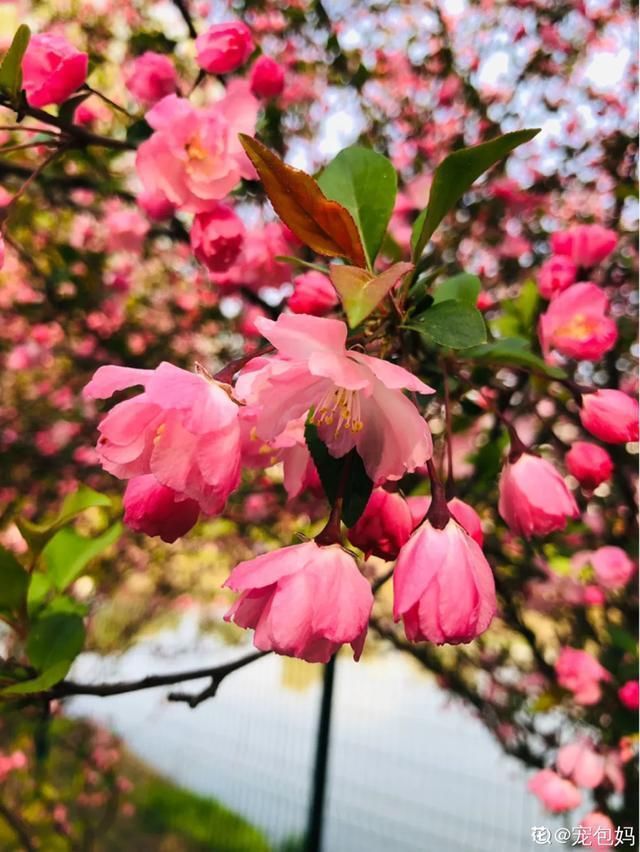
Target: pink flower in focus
{"x": 313, "y": 294}
{"x": 600, "y": 832}
{"x": 556, "y": 274}
{"x": 357, "y": 399}
{"x": 267, "y": 78}
{"x": 195, "y": 157}
{"x": 302, "y": 601}
{"x": 576, "y": 324}
{"x": 52, "y": 69}
{"x": 629, "y": 694}
{"x": 581, "y": 674}
{"x": 183, "y": 429}
{"x": 154, "y": 509}
{"x": 217, "y": 237}
{"x": 590, "y": 464}
{"x": 534, "y": 499}
{"x": 151, "y": 77}
{"x": 612, "y": 567}
{"x": 384, "y": 526}
{"x": 585, "y": 245}
{"x": 443, "y": 587}
{"x": 224, "y": 47}
{"x": 556, "y": 793}
{"x": 581, "y": 763}
{"x": 610, "y": 415}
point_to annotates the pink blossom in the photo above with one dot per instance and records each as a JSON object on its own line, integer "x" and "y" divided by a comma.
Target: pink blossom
{"x": 600, "y": 832}
{"x": 610, "y": 415}
{"x": 357, "y": 399}
{"x": 154, "y": 509}
{"x": 183, "y": 429}
{"x": 224, "y": 47}
{"x": 556, "y": 274}
{"x": 576, "y": 323}
{"x": 581, "y": 763}
{"x": 52, "y": 69}
{"x": 443, "y": 586}
{"x": 151, "y": 77}
{"x": 313, "y": 294}
{"x": 629, "y": 694}
{"x": 612, "y": 567}
{"x": 534, "y": 499}
{"x": 156, "y": 205}
{"x": 257, "y": 267}
{"x": 590, "y": 464}
{"x": 384, "y": 526}
{"x": 217, "y": 237}
{"x": 126, "y": 230}
{"x": 267, "y": 78}
{"x": 302, "y": 601}
{"x": 462, "y": 512}
{"x": 581, "y": 674}
{"x": 195, "y": 157}
{"x": 556, "y": 793}
{"x": 585, "y": 245}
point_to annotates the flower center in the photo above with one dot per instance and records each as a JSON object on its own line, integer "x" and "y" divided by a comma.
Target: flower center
{"x": 339, "y": 408}
{"x": 579, "y": 327}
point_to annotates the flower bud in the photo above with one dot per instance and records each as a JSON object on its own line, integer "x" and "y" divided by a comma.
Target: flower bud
{"x": 224, "y": 47}
{"x": 590, "y": 464}
{"x": 267, "y": 78}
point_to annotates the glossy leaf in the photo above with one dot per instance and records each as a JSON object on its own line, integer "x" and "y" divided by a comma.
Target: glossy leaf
{"x": 55, "y": 639}
{"x": 454, "y": 324}
{"x": 324, "y": 225}
{"x": 361, "y": 292}
{"x": 365, "y": 183}
{"x": 11, "y": 65}
{"x": 14, "y": 582}
{"x": 463, "y": 287}
{"x": 454, "y": 176}
{"x": 67, "y": 553}
{"x": 513, "y": 352}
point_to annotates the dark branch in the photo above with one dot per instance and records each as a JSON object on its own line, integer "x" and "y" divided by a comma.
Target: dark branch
{"x": 182, "y": 7}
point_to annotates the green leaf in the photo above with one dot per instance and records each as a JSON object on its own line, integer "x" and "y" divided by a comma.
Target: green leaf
{"x": 67, "y": 553}
{"x": 39, "y": 588}
{"x": 519, "y": 314}
{"x": 513, "y": 352}
{"x": 358, "y": 486}
{"x": 11, "y": 65}
{"x": 622, "y": 639}
{"x": 463, "y": 287}
{"x": 454, "y": 176}
{"x": 39, "y": 684}
{"x": 361, "y": 291}
{"x": 14, "y": 582}
{"x": 365, "y": 183}
{"x": 55, "y": 639}
{"x": 37, "y": 535}
{"x": 457, "y": 325}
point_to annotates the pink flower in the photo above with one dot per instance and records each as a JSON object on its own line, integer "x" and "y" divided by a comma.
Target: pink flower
{"x": 534, "y": 499}
{"x": 610, "y": 415}
{"x": 151, "y": 77}
{"x": 224, "y": 47}
{"x": 313, "y": 294}
{"x": 154, "y": 509}
{"x": 443, "y": 586}
{"x": 156, "y": 205}
{"x": 586, "y": 245}
{"x": 183, "y": 429}
{"x": 556, "y": 274}
{"x": 556, "y": 793}
{"x": 357, "y": 399}
{"x": 581, "y": 674}
{"x": 195, "y": 157}
{"x": 590, "y": 464}
{"x": 612, "y": 566}
{"x": 217, "y": 237}
{"x": 600, "y": 832}
{"x": 52, "y": 69}
{"x": 462, "y": 512}
{"x": 384, "y": 526}
{"x": 302, "y": 601}
{"x": 576, "y": 323}
{"x": 629, "y": 694}
{"x": 267, "y": 78}
{"x": 581, "y": 763}
{"x": 126, "y": 230}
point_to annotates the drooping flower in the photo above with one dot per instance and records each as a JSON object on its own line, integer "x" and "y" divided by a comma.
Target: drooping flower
{"x": 52, "y": 69}
{"x": 576, "y": 323}
{"x": 151, "y": 77}
{"x": 590, "y": 464}
{"x": 267, "y": 78}
{"x": 384, "y": 526}
{"x": 462, "y": 512}
{"x": 182, "y": 428}
{"x": 534, "y": 498}
{"x": 217, "y": 237}
{"x": 302, "y": 601}
{"x": 610, "y": 415}
{"x": 556, "y": 274}
{"x": 612, "y": 567}
{"x": 585, "y": 245}
{"x": 224, "y": 47}
{"x": 357, "y": 399}
{"x": 443, "y": 586}
{"x": 556, "y": 793}
{"x": 581, "y": 674}
{"x": 195, "y": 157}
{"x": 313, "y": 294}
{"x": 154, "y": 509}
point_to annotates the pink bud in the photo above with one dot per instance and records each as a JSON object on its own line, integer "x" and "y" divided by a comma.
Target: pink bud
{"x": 585, "y": 245}
{"x": 267, "y": 78}
{"x": 384, "y": 526}
{"x": 629, "y": 694}
{"x": 610, "y": 415}
{"x": 590, "y": 464}
{"x": 612, "y": 566}
{"x": 576, "y": 323}
{"x": 154, "y": 509}
{"x": 52, "y": 69}
{"x": 534, "y": 499}
{"x": 313, "y": 294}
{"x": 156, "y": 205}
{"x": 443, "y": 586}
{"x": 556, "y": 274}
{"x": 224, "y": 47}
{"x": 556, "y": 793}
{"x": 150, "y": 77}
{"x": 217, "y": 237}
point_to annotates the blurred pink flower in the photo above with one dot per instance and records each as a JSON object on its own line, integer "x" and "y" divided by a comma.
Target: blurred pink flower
{"x": 580, "y": 673}
{"x": 629, "y": 694}
{"x": 150, "y": 77}
{"x": 580, "y": 762}
{"x": 52, "y": 69}
{"x": 224, "y": 47}
{"x": 585, "y": 245}
{"x": 590, "y": 464}
{"x": 612, "y": 567}
{"x": 267, "y": 78}
{"x": 313, "y": 294}
{"x": 555, "y": 275}
{"x": 217, "y": 237}
{"x": 576, "y": 324}
{"x": 556, "y": 793}
{"x": 610, "y": 415}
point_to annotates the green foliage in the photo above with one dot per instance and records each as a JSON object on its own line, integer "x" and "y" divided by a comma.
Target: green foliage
{"x": 67, "y": 553}
{"x": 55, "y": 639}
{"x": 11, "y": 65}
{"x": 513, "y": 352}
{"x": 519, "y": 314}
{"x": 14, "y": 582}
{"x": 454, "y": 176}
{"x": 451, "y": 323}
{"x": 37, "y": 535}
{"x": 365, "y": 183}
{"x": 463, "y": 287}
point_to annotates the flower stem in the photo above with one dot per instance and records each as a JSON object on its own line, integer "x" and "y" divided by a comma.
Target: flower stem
{"x": 438, "y": 514}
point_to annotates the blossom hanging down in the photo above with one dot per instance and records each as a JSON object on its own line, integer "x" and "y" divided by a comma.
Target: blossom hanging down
{"x": 356, "y": 400}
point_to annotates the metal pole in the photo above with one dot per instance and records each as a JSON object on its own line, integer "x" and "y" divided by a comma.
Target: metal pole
{"x": 316, "y": 810}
